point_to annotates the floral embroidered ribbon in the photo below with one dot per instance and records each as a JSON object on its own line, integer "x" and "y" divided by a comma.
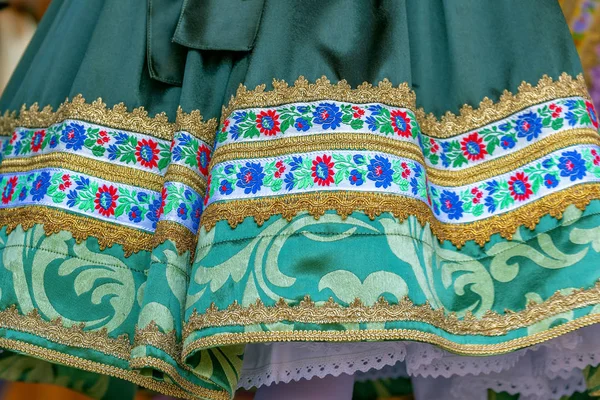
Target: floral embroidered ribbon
{"x": 335, "y": 147}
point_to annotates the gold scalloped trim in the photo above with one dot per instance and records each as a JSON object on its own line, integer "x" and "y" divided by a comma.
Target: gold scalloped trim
{"x": 74, "y": 336}
{"x": 449, "y": 178}
{"x": 193, "y": 123}
{"x": 181, "y": 236}
{"x": 80, "y": 227}
{"x": 151, "y": 335}
{"x": 448, "y": 125}
{"x": 488, "y": 111}
{"x": 118, "y": 117}
{"x": 228, "y": 339}
{"x": 322, "y": 89}
{"x": 375, "y": 204}
{"x": 99, "y": 340}
{"x": 330, "y": 312}
{"x": 96, "y": 367}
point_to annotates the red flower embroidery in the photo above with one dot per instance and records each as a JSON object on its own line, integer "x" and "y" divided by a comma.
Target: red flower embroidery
{"x": 401, "y": 123}
{"x": 322, "y": 170}
{"x": 592, "y": 113}
{"x": 434, "y": 146}
{"x": 268, "y": 122}
{"x": 519, "y": 186}
{"x": 106, "y": 200}
{"x": 37, "y": 140}
{"x": 358, "y": 112}
{"x": 9, "y": 189}
{"x": 472, "y": 147}
{"x": 146, "y": 153}
{"x": 203, "y": 159}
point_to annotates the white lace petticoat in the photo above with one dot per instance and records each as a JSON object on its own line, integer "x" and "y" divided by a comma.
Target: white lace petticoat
{"x": 547, "y": 371}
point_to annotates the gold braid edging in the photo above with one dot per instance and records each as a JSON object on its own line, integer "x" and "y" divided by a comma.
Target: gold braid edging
{"x": 151, "y": 335}
{"x": 111, "y": 172}
{"x": 181, "y": 236}
{"x": 330, "y": 312}
{"x": 99, "y": 340}
{"x": 374, "y": 204}
{"x": 99, "y": 368}
{"x": 369, "y": 142}
{"x": 80, "y": 227}
{"x": 117, "y": 117}
{"x": 75, "y": 336}
{"x": 185, "y": 175}
{"x": 449, "y": 125}
{"x": 228, "y": 339}
{"x": 153, "y": 362}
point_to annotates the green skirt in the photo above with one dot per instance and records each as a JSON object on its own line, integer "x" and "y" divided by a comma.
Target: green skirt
{"x": 228, "y": 172}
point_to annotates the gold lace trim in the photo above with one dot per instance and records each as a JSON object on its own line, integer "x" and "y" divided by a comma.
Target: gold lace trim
{"x": 330, "y": 312}
{"x": 374, "y": 204}
{"x": 353, "y": 141}
{"x": 228, "y": 339}
{"x": 194, "y": 124}
{"x": 117, "y": 117}
{"x": 80, "y": 227}
{"x": 103, "y": 170}
{"x": 74, "y": 336}
{"x": 322, "y": 89}
{"x": 448, "y": 125}
{"x": 96, "y": 367}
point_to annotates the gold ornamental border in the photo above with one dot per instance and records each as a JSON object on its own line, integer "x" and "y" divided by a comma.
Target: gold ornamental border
{"x": 369, "y": 142}
{"x": 100, "y": 341}
{"x": 228, "y": 339}
{"x": 118, "y": 117}
{"x": 99, "y": 368}
{"x": 375, "y": 204}
{"x": 330, "y": 312}
{"x": 448, "y": 125}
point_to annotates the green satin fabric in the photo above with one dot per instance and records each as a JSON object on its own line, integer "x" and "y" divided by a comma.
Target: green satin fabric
{"x": 451, "y": 52}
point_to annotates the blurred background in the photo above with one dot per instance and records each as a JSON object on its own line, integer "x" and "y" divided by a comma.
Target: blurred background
{"x": 18, "y": 21}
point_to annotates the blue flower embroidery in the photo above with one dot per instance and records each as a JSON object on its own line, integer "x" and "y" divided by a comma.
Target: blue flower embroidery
{"x": 154, "y": 211}
{"x": 358, "y": 159}
{"x": 250, "y": 178}
{"x": 550, "y": 181}
{"x": 229, "y": 169}
{"x": 529, "y": 126}
{"x": 289, "y": 181}
{"x": 571, "y": 118}
{"x": 225, "y": 187}
{"x": 182, "y": 211}
{"x": 571, "y": 165}
{"x": 490, "y": 204}
{"x": 371, "y": 123}
{"x": 235, "y": 132}
{"x": 135, "y": 214}
{"x": 356, "y": 178}
{"x": 23, "y": 193}
{"x": 571, "y": 104}
{"x": 328, "y": 115}
{"x": 40, "y": 186}
{"x": 380, "y": 171}
{"x": 303, "y": 109}
{"x": 73, "y": 136}
{"x": 507, "y": 142}
{"x": 302, "y": 124}
{"x": 196, "y": 213}
{"x": 295, "y": 163}
{"x": 451, "y": 204}
{"x": 414, "y": 186}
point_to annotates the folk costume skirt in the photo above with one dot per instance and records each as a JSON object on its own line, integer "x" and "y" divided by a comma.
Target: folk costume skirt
{"x": 200, "y": 195}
